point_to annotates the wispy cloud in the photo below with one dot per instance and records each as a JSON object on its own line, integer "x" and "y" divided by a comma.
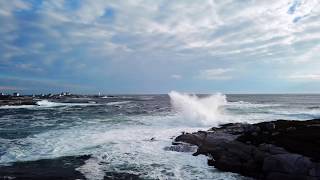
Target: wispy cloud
{"x": 176, "y": 76}
{"x": 305, "y": 77}
{"x": 9, "y": 88}
{"x": 95, "y": 41}
{"x": 215, "y": 74}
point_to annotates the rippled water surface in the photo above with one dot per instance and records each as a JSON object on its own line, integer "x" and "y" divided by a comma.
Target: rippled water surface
{"x": 117, "y": 130}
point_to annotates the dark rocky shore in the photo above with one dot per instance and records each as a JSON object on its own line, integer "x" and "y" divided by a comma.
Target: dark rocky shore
{"x": 16, "y": 101}
{"x": 9, "y": 100}
{"x": 286, "y": 150}
{"x": 62, "y": 168}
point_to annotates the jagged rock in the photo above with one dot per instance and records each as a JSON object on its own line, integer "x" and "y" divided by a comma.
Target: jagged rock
{"x": 59, "y": 168}
{"x": 270, "y": 126}
{"x": 62, "y": 168}
{"x": 288, "y": 164}
{"x": 264, "y": 150}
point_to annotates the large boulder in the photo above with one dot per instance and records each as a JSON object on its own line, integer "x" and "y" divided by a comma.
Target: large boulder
{"x": 265, "y": 150}
{"x": 294, "y": 164}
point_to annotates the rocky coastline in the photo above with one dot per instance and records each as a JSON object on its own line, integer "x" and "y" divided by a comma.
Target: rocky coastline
{"x": 62, "y": 168}
{"x": 17, "y": 101}
{"x": 9, "y": 100}
{"x": 282, "y": 149}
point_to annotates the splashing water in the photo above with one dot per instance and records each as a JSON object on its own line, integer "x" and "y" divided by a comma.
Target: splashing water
{"x": 117, "y": 131}
{"x": 201, "y": 111}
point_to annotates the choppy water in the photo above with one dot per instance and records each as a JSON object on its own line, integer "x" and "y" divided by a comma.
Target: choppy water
{"x": 117, "y": 130}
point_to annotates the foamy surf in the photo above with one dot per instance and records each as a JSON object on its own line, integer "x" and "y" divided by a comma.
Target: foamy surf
{"x": 117, "y": 103}
{"x": 48, "y": 104}
{"x": 17, "y": 107}
{"x": 206, "y": 111}
{"x": 132, "y": 138}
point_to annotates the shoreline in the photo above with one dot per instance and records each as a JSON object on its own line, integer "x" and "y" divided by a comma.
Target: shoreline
{"x": 282, "y": 149}
{"x": 65, "y": 167}
{"x": 29, "y": 100}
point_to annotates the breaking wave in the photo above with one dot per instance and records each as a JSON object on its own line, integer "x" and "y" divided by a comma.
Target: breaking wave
{"x": 200, "y": 110}
{"x": 47, "y": 103}
{"x": 118, "y": 103}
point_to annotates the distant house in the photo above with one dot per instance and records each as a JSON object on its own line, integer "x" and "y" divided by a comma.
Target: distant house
{"x": 2, "y": 94}
{"x": 65, "y": 94}
{"x": 16, "y": 94}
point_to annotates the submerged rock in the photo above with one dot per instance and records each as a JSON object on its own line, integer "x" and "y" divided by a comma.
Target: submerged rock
{"x": 59, "y": 168}
{"x": 269, "y": 150}
{"x": 62, "y": 168}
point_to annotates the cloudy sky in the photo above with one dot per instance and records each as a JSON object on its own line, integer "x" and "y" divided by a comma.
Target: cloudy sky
{"x": 144, "y": 46}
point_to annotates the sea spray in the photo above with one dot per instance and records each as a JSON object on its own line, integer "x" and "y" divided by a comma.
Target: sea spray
{"x": 46, "y": 103}
{"x": 206, "y": 111}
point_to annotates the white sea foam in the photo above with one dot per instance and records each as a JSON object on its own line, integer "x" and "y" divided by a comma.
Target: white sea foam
{"x": 46, "y": 103}
{"x": 107, "y": 97}
{"x": 118, "y": 103}
{"x": 215, "y": 110}
{"x": 243, "y": 104}
{"x": 17, "y": 107}
{"x": 205, "y": 110}
{"x": 119, "y": 146}
{"x": 125, "y": 149}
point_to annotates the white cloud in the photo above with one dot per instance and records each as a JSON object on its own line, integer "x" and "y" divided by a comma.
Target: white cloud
{"x": 193, "y": 34}
{"x": 215, "y": 74}
{"x": 305, "y": 77}
{"x": 309, "y": 55}
{"x": 176, "y": 76}
{"x": 212, "y": 28}
{"x": 7, "y": 7}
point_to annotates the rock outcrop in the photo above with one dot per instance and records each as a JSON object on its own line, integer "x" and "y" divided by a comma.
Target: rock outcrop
{"x": 62, "y": 168}
{"x": 269, "y": 150}
{"x": 16, "y": 101}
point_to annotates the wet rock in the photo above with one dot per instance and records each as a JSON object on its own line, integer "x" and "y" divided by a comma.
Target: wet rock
{"x": 62, "y": 168}
{"x": 315, "y": 171}
{"x": 17, "y": 101}
{"x": 272, "y": 149}
{"x": 265, "y": 150}
{"x": 270, "y": 126}
{"x": 291, "y": 128}
{"x": 194, "y": 138}
{"x": 59, "y": 168}
{"x": 288, "y": 164}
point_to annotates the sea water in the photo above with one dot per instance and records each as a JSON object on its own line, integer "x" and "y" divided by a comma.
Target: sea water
{"x": 117, "y": 130}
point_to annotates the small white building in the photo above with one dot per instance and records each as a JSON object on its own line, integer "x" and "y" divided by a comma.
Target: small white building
{"x": 16, "y": 94}
{"x": 2, "y": 94}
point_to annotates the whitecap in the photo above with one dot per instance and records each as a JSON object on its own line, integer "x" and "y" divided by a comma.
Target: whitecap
{"x": 205, "y": 110}
{"x": 118, "y": 103}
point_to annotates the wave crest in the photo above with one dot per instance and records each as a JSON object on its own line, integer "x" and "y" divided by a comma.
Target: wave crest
{"x": 200, "y": 110}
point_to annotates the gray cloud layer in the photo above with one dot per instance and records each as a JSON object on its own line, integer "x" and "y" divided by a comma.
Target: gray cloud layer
{"x": 96, "y": 42}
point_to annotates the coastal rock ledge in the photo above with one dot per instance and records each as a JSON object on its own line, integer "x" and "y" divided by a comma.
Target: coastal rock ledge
{"x": 282, "y": 149}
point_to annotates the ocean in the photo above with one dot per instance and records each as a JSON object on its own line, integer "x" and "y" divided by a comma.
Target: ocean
{"x": 130, "y": 133}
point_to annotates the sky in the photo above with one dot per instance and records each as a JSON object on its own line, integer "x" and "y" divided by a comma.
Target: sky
{"x": 144, "y": 46}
